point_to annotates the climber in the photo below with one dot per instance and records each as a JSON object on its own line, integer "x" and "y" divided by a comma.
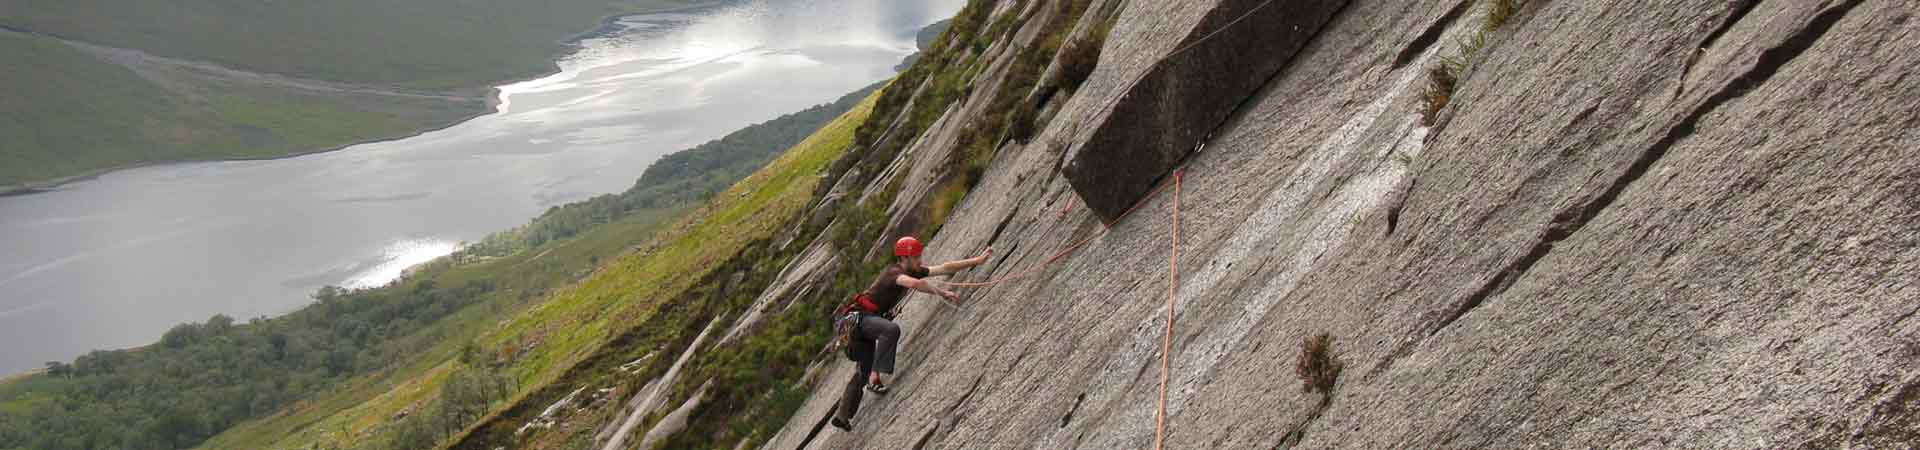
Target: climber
{"x": 873, "y": 335}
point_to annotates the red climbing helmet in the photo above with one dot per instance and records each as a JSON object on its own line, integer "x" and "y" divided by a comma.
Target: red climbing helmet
{"x": 907, "y": 246}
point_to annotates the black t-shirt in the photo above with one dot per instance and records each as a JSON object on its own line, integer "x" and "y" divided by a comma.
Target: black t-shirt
{"x": 885, "y": 292}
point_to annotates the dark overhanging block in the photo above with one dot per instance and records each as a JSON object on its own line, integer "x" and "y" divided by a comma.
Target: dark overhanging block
{"x": 1158, "y": 122}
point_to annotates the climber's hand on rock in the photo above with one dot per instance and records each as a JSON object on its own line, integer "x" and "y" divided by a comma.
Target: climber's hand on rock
{"x": 982, "y": 259}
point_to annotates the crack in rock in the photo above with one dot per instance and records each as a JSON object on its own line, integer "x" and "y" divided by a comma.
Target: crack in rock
{"x": 1570, "y": 221}
{"x": 1740, "y": 10}
{"x": 1432, "y": 35}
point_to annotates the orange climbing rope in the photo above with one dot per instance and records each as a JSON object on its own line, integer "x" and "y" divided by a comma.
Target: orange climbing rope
{"x": 1070, "y": 248}
{"x": 1173, "y": 270}
{"x": 1107, "y": 105}
{"x": 1166, "y": 345}
{"x": 1173, "y": 291}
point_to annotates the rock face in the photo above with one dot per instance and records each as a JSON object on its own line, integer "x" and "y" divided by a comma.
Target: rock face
{"x": 1637, "y": 225}
{"x": 1233, "y": 50}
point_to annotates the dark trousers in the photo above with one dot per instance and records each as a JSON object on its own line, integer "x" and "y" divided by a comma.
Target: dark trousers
{"x": 872, "y": 348}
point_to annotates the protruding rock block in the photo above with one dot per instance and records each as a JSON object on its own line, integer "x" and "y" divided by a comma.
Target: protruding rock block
{"x": 1234, "y": 50}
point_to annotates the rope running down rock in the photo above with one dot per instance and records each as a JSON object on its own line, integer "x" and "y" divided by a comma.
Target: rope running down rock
{"x": 1166, "y": 345}
{"x": 1108, "y": 106}
{"x": 1173, "y": 270}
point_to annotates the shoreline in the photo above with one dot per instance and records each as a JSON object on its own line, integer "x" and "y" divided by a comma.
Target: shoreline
{"x": 6, "y": 379}
{"x": 606, "y": 26}
{"x": 40, "y": 187}
{"x": 610, "y": 24}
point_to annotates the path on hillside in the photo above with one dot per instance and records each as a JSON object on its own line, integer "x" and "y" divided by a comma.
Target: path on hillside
{"x": 165, "y": 70}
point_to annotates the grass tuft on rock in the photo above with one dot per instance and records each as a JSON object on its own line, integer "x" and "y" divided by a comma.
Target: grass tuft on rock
{"x": 1444, "y": 77}
{"x": 1498, "y": 13}
{"x": 1317, "y": 366}
{"x": 1079, "y": 59}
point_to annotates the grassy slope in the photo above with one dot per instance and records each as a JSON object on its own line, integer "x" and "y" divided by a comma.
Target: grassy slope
{"x": 756, "y": 388}
{"x": 574, "y": 323}
{"x": 523, "y": 276}
{"x": 660, "y": 283}
{"x": 524, "y": 271}
{"x": 753, "y": 378}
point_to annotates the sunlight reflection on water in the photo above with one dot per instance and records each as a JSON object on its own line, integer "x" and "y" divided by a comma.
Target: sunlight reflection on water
{"x": 398, "y": 257}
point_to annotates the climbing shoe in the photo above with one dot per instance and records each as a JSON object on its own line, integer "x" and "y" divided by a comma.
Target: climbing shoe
{"x": 877, "y": 388}
{"x": 844, "y": 424}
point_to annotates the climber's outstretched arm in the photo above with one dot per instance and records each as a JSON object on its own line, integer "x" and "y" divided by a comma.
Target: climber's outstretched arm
{"x": 950, "y": 267}
{"x": 924, "y": 286}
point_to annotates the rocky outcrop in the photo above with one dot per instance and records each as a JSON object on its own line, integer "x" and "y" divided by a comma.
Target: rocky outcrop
{"x": 675, "y": 421}
{"x": 547, "y": 416}
{"x": 1637, "y": 225}
{"x": 655, "y": 394}
{"x": 805, "y": 275}
{"x": 1231, "y": 51}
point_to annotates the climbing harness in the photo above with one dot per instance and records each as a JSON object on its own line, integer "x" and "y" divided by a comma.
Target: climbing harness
{"x": 847, "y": 316}
{"x": 843, "y": 323}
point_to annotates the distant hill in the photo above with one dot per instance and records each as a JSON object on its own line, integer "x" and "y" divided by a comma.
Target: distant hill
{"x": 426, "y": 44}
{"x": 70, "y": 111}
{"x": 94, "y": 85}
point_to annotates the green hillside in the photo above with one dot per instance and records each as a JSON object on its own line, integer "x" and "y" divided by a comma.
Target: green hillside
{"x": 682, "y": 178}
{"x": 750, "y": 387}
{"x": 426, "y": 44}
{"x": 344, "y": 72}
{"x": 639, "y": 297}
{"x": 68, "y": 112}
{"x": 335, "y": 372}
{"x": 602, "y": 340}
{"x": 103, "y": 109}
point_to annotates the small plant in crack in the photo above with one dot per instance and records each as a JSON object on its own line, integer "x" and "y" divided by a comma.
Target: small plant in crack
{"x": 1317, "y": 366}
{"x": 1082, "y": 55}
{"x": 1443, "y": 78}
{"x": 1440, "y": 86}
{"x": 1402, "y": 156}
{"x": 1498, "y": 13}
